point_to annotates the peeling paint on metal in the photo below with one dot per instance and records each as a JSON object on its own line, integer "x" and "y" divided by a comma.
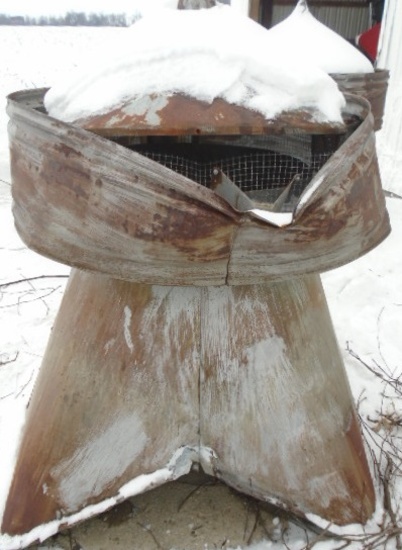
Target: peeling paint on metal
{"x": 109, "y": 344}
{"x": 98, "y": 462}
{"x": 148, "y": 106}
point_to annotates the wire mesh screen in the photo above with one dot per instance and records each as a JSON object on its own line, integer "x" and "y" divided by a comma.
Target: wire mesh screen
{"x": 258, "y": 171}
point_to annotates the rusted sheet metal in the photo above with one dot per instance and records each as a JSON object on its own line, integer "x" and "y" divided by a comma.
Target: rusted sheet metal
{"x": 91, "y": 203}
{"x": 92, "y": 422}
{"x": 182, "y": 115}
{"x": 85, "y": 201}
{"x": 371, "y": 86}
{"x": 248, "y": 377}
{"x": 342, "y": 216}
{"x": 277, "y": 407}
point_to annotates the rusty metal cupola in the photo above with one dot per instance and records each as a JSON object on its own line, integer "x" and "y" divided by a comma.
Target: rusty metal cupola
{"x": 194, "y": 328}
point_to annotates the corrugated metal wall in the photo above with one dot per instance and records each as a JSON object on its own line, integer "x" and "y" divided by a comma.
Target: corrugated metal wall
{"x": 348, "y": 22}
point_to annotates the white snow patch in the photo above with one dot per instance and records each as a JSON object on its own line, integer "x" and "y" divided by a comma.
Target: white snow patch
{"x": 279, "y": 219}
{"x": 308, "y": 39}
{"x": 167, "y": 53}
{"x": 127, "y": 326}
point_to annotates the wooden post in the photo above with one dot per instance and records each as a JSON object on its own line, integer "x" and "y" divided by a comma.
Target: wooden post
{"x": 254, "y": 10}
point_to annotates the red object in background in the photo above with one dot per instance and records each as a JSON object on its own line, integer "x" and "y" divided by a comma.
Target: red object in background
{"x": 368, "y": 41}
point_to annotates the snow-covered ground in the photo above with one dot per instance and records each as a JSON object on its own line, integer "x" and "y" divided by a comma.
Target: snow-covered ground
{"x": 365, "y": 299}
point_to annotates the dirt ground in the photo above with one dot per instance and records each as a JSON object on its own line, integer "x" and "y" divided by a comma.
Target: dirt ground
{"x": 193, "y": 513}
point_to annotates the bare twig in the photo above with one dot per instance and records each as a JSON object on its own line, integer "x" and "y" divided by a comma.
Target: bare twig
{"x": 344, "y": 545}
{"x": 388, "y": 501}
{"x": 263, "y": 526}
{"x": 255, "y": 525}
{"x": 25, "y": 385}
{"x": 391, "y": 194}
{"x": 148, "y": 530}
{"x": 74, "y": 544}
{"x": 6, "y": 395}
{"x": 8, "y": 361}
{"x": 51, "y": 291}
{"x": 284, "y": 542}
{"x": 320, "y": 537}
{"x": 378, "y": 335}
{"x": 379, "y": 372}
{"x": 19, "y": 281}
{"x": 193, "y": 491}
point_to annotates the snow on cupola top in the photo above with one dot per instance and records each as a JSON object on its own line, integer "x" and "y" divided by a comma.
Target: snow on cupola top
{"x": 204, "y": 54}
{"x": 311, "y": 41}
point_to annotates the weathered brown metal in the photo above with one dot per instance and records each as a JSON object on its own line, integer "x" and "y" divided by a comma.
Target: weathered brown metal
{"x": 115, "y": 410}
{"x": 372, "y": 86}
{"x": 272, "y": 418}
{"x": 249, "y": 378}
{"x": 86, "y": 201}
{"x": 247, "y": 373}
{"x": 182, "y": 115}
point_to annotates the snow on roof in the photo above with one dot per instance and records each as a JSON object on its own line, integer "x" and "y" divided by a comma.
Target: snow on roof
{"x": 207, "y": 54}
{"x": 312, "y": 41}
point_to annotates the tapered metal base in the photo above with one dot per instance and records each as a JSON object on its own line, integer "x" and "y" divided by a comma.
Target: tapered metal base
{"x": 249, "y": 378}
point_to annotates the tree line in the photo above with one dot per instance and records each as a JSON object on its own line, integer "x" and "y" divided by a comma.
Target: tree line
{"x": 70, "y": 19}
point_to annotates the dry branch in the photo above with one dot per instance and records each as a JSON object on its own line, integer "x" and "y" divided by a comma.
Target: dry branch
{"x": 7, "y": 361}
{"x": 27, "y": 279}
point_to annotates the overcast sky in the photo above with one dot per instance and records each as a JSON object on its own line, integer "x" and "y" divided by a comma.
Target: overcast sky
{"x": 47, "y": 7}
